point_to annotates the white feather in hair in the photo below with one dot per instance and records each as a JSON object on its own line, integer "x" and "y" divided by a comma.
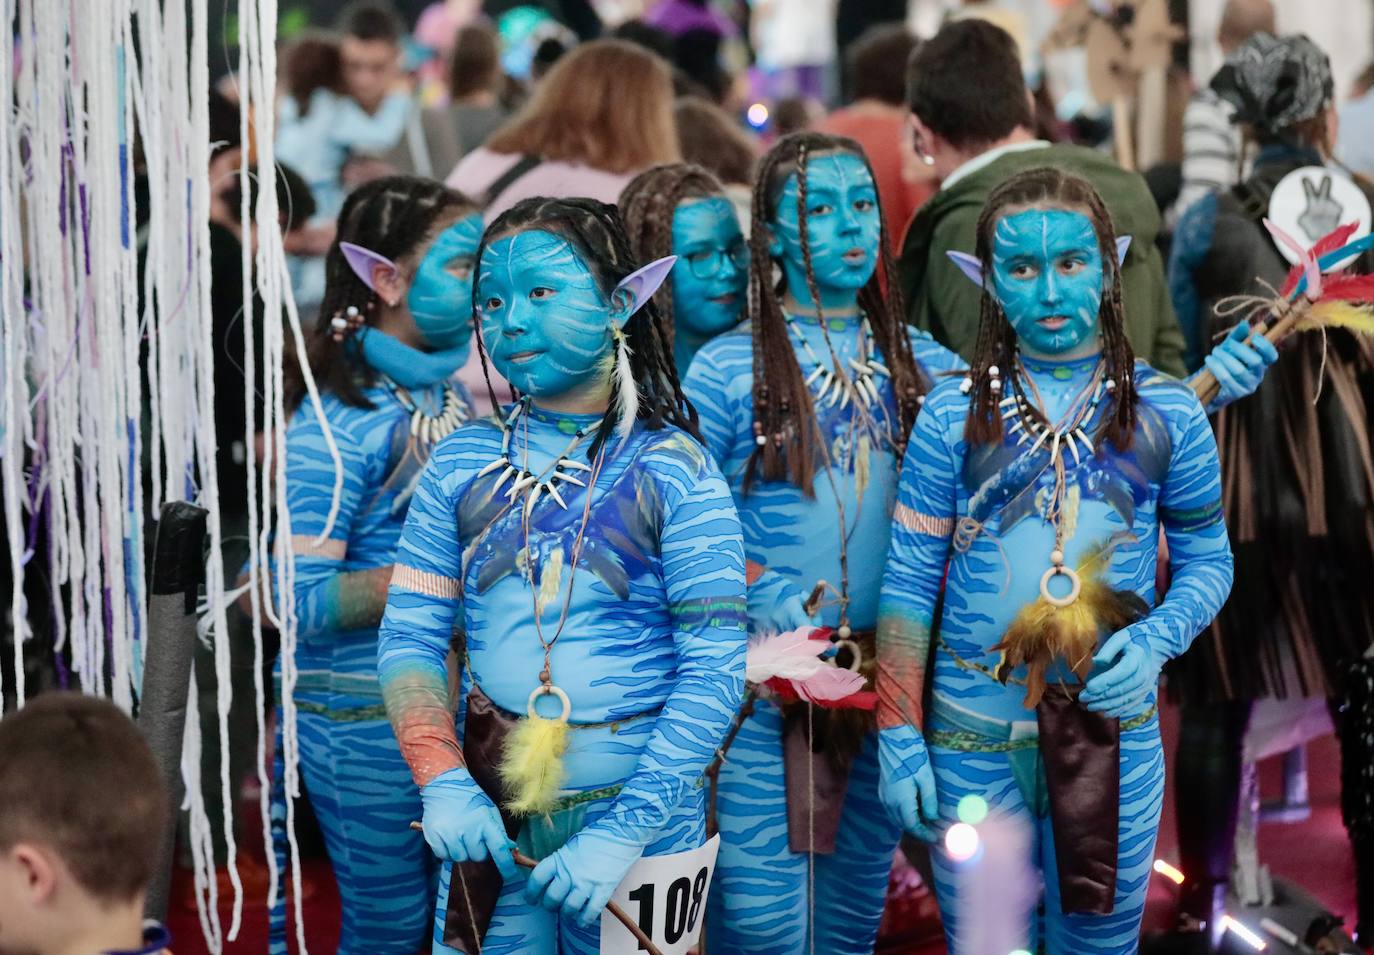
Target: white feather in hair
{"x": 627, "y": 393}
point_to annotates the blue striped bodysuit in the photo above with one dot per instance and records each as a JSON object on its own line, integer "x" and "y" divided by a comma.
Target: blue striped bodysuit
{"x": 760, "y": 901}
{"x": 651, "y": 655}
{"x": 359, "y": 785}
{"x": 981, "y": 739}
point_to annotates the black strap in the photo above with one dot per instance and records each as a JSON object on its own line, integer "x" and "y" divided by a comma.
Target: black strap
{"x": 504, "y": 181}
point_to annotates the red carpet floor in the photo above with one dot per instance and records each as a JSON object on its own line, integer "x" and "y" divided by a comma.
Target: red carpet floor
{"x": 1313, "y": 854}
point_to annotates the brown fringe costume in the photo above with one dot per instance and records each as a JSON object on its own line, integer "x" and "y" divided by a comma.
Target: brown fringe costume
{"x": 1297, "y": 490}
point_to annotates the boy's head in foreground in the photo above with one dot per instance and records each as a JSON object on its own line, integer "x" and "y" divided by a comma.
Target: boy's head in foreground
{"x": 82, "y": 808}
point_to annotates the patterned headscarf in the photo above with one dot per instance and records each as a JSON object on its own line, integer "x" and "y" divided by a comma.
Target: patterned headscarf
{"x": 1275, "y": 83}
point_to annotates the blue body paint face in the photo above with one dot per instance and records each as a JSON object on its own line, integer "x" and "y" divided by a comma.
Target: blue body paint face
{"x": 543, "y": 317}
{"x": 440, "y": 296}
{"x": 1047, "y": 274}
{"x": 712, "y": 272}
{"x": 844, "y": 229}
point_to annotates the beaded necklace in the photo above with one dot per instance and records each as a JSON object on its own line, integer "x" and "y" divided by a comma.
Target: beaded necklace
{"x": 1032, "y": 422}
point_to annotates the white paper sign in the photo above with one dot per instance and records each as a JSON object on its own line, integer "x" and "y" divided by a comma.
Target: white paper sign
{"x": 666, "y": 896}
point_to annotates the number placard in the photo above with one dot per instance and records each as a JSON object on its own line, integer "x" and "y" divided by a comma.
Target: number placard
{"x": 666, "y": 895}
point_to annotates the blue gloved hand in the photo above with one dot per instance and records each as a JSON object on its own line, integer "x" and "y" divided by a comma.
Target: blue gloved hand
{"x": 409, "y": 367}
{"x": 462, "y": 824}
{"x": 775, "y": 605}
{"x": 1239, "y": 365}
{"x": 1123, "y": 689}
{"x": 906, "y": 785}
{"x": 580, "y": 878}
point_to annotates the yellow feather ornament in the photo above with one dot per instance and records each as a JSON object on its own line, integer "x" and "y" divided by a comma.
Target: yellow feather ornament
{"x": 1338, "y": 314}
{"x": 532, "y": 765}
{"x": 1043, "y": 633}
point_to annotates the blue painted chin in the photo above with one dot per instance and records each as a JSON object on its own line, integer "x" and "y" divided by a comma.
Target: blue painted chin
{"x": 844, "y": 229}
{"x": 440, "y": 296}
{"x": 1048, "y": 274}
{"x": 712, "y": 271}
{"x": 543, "y": 317}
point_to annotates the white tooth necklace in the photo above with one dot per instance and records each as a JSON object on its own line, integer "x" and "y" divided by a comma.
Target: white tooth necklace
{"x": 564, "y": 469}
{"x": 835, "y": 383}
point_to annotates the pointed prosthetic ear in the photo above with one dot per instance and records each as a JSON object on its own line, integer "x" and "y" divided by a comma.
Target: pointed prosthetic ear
{"x": 364, "y": 261}
{"x": 1123, "y": 242}
{"x": 635, "y": 289}
{"x": 968, "y": 264}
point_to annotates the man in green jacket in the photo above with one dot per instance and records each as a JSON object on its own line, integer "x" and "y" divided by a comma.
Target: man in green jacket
{"x": 972, "y": 117}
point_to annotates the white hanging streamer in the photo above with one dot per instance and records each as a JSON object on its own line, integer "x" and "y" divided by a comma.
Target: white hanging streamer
{"x": 83, "y": 444}
{"x": 257, "y": 95}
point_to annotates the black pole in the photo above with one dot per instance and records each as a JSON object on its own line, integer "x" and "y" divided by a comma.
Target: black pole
{"x": 177, "y": 571}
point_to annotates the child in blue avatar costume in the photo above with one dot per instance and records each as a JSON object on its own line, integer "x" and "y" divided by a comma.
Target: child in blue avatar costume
{"x": 584, "y": 548}
{"x": 682, "y": 210}
{"x": 395, "y": 326}
{"x": 807, "y": 409}
{"x": 1044, "y": 480}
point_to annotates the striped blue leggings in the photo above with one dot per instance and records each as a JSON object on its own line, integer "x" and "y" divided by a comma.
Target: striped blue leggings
{"x": 364, "y": 799}
{"x": 759, "y": 902}
{"x": 993, "y": 776}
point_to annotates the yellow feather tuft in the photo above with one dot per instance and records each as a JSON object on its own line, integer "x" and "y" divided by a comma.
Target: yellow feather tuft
{"x": 532, "y": 765}
{"x": 1042, "y": 633}
{"x": 550, "y": 580}
{"x": 1339, "y": 314}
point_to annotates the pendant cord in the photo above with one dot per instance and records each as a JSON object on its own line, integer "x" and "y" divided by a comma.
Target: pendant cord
{"x": 546, "y": 675}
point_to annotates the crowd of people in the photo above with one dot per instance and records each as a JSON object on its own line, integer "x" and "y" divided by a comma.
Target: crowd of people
{"x": 801, "y": 481}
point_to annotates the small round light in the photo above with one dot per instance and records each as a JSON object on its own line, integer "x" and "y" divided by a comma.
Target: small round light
{"x": 758, "y": 115}
{"x": 961, "y": 842}
{"x": 972, "y": 809}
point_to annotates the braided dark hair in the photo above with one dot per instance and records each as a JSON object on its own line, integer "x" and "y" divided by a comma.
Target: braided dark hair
{"x": 597, "y": 233}
{"x": 1040, "y": 188}
{"x": 783, "y": 412}
{"x": 394, "y": 216}
{"x": 647, "y": 205}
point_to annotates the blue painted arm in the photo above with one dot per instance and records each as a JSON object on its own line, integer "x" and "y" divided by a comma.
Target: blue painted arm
{"x": 423, "y": 605}
{"x": 922, "y": 523}
{"x": 775, "y": 603}
{"x": 702, "y": 558}
{"x": 328, "y": 597}
{"x": 1239, "y": 363}
{"x": 1129, "y": 661}
{"x": 1199, "y": 550}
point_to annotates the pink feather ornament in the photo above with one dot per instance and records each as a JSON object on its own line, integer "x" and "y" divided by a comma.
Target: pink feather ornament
{"x": 790, "y": 655}
{"x": 793, "y": 667}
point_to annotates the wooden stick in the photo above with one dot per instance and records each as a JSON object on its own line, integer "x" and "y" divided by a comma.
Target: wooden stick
{"x": 813, "y": 602}
{"x": 526, "y": 862}
{"x": 712, "y": 772}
